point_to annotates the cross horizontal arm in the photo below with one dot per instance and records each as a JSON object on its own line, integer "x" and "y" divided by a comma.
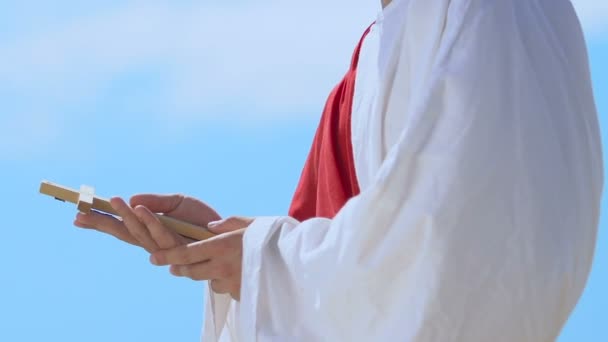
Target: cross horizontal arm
{"x": 66, "y": 194}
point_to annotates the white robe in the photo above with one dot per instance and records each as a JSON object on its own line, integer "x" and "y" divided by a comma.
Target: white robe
{"x": 477, "y": 151}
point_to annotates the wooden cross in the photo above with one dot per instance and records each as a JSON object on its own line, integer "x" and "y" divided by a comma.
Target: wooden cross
{"x": 86, "y": 201}
{"x": 85, "y": 198}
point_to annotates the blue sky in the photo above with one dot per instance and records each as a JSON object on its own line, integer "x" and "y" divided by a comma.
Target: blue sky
{"x": 166, "y": 97}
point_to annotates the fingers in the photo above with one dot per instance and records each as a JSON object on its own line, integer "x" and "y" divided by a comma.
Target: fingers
{"x": 163, "y": 237}
{"x": 223, "y": 277}
{"x": 192, "y": 253}
{"x": 230, "y": 224}
{"x": 199, "y": 271}
{"x": 218, "y": 259}
{"x": 207, "y": 270}
{"x": 139, "y": 226}
{"x": 157, "y": 203}
{"x": 105, "y": 223}
{"x": 133, "y": 225}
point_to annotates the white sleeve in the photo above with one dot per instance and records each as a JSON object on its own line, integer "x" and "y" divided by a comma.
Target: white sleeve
{"x": 481, "y": 222}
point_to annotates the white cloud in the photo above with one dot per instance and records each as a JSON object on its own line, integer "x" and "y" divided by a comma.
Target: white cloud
{"x": 266, "y": 59}
{"x": 271, "y": 59}
{"x": 207, "y": 55}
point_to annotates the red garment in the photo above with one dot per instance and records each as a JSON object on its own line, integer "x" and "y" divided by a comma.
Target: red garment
{"x": 329, "y": 178}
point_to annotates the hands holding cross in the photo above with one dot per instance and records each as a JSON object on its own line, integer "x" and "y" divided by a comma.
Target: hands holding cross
{"x": 217, "y": 259}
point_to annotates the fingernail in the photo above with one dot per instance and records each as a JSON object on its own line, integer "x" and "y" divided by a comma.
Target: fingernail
{"x": 213, "y": 224}
{"x": 153, "y": 259}
{"x": 138, "y": 211}
{"x": 115, "y": 201}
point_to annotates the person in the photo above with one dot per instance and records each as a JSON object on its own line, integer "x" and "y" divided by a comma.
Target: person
{"x": 452, "y": 191}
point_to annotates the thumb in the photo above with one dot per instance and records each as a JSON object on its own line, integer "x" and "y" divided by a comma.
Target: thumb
{"x": 157, "y": 203}
{"x": 228, "y": 225}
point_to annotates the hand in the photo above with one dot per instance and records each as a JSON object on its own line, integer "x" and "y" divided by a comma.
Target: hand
{"x": 141, "y": 228}
{"x": 218, "y": 259}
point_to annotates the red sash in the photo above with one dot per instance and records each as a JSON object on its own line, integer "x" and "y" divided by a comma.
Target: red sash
{"x": 329, "y": 178}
